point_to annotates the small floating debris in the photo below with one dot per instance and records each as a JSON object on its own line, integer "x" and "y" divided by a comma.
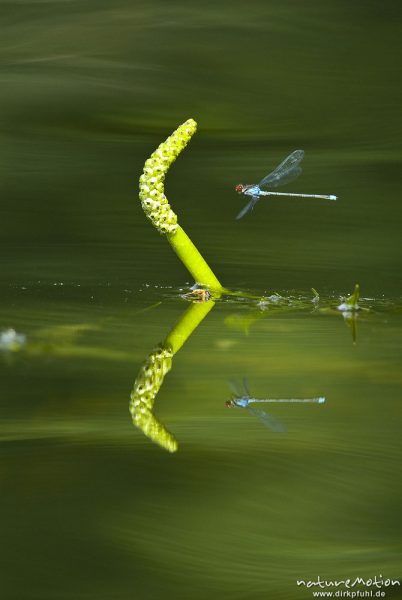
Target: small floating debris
{"x": 266, "y": 301}
{"x": 197, "y": 295}
{"x": 316, "y": 298}
{"x": 11, "y": 341}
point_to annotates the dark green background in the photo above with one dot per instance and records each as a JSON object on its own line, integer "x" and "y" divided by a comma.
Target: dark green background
{"x": 90, "y": 508}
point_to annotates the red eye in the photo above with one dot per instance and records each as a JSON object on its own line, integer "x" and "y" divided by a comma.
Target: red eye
{"x": 239, "y": 188}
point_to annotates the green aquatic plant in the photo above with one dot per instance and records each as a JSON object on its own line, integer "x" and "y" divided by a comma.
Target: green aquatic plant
{"x": 351, "y": 303}
{"x": 153, "y": 371}
{"x": 349, "y": 309}
{"x": 159, "y": 211}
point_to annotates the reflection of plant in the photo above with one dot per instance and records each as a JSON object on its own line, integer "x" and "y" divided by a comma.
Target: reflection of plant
{"x": 146, "y": 386}
{"x": 152, "y": 373}
{"x": 158, "y": 210}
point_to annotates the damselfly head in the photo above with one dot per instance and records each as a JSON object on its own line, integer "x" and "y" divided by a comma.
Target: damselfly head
{"x": 229, "y": 403}
{"x": 239, "y": 188}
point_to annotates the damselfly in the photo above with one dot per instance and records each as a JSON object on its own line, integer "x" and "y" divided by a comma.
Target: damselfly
{"x": 287, "y": 171}
{"x": 245, "y": 400}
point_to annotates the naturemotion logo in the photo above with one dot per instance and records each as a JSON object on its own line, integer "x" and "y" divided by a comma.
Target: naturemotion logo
{"x": 374, "y": 587}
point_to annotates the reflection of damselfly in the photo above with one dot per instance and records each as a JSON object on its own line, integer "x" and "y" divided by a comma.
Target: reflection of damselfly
{"x": 245, "y": 400}
{"x": 286, "y": 172}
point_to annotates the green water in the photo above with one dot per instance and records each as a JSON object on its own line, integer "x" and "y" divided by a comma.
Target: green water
{"x": 91, "y": 509}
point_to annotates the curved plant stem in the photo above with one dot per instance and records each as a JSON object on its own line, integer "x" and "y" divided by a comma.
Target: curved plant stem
{"x": 158, "y": 210}
{"x": 192, "y": 259}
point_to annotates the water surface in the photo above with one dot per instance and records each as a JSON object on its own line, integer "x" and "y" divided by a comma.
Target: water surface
{"x": 91, "y": 508}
